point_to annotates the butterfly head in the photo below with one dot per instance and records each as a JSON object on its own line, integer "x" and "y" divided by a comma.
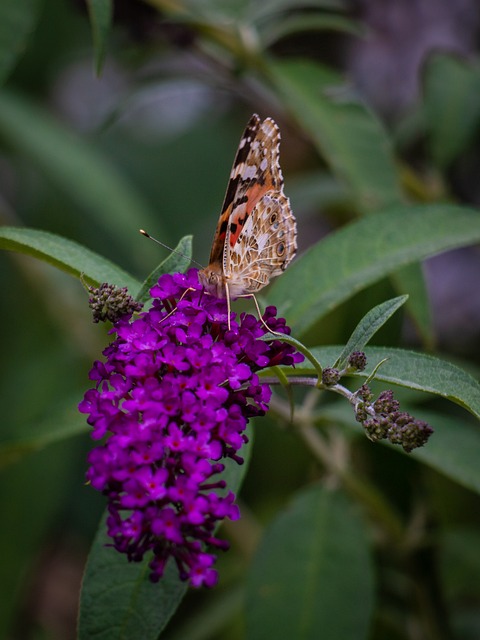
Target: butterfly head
{"x": 211, "y": 278}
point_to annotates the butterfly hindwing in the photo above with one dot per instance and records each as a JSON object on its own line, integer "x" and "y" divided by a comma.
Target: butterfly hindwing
{"x": 265, "y": 246}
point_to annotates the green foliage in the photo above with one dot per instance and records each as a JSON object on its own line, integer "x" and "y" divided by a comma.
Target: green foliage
{"x": 333, "y": 530}
{"x": 451, "y": 107}
{"x": 345, "y": 133}
{"x": 412, "y": 370}
{"x": 101, "y": 18}
{"x": 366, "y": 251}
{"x": 17, "y": 20}
{"x": 74, "y": 165}
{"x": 66, "y": 255}
{"x": 133, "y": 607}
{"x": 177, "y": 261}
{"x": 321, "y": 544}
{"x": 368, "y": 327}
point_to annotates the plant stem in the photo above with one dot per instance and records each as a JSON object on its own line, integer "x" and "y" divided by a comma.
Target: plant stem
{"x": 363, "y": 491}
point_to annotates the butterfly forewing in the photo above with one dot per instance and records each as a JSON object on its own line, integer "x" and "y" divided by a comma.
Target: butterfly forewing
{"x": 255, "y": 237}
{"x": 241, "y": 156}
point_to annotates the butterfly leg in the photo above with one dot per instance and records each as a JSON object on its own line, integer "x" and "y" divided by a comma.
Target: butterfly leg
{"x": 176, "y": 307}
{"x": 227, "y": 293}
{"x": 252, "y": 295}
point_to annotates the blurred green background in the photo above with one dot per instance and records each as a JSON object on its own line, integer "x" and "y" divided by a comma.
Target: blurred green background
{"x": 149, "y": 143}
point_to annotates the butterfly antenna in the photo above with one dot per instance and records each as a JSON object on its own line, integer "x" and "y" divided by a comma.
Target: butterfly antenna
{"x": 184, "y": 255}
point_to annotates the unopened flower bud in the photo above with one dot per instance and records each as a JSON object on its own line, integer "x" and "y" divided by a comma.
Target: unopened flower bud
{"x": 109, "y": 302}
{"x": 357, "y": 360}
{"x": 330, "y": 376}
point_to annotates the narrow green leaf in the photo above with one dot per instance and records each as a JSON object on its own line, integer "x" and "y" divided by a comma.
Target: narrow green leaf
{"x": 174, "y": 263}
{"x": 452, "y": 106}
{"x": 344, "y": 131}
{"x": 411, "y": 280}
{"x": 17, "y": 21}
{"x": 412, "y": 370}
{"x": 365, "y": 251}
{"x": 299, "y": 347}
{"x": 118, "y": 602}
{"x": 75, "y": 166}
{"x": 66, "y": 255}
{"x": 210, "y": 12}
{"x": 100, "y": 12}
{"x": 266, "y": 10}
{"x": 295, "y": 24}
{"x": 312, "y": 560}
{"x": 368, "y": 327}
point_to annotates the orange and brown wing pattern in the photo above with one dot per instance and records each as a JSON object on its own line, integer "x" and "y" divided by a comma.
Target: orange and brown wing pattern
{"x": 266, "y": 245}
{"x": 255, "y": 238}
{"x": 255, "y": 171}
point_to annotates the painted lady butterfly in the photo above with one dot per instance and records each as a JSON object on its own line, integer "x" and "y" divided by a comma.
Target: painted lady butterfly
{"x": 256, "y": 233}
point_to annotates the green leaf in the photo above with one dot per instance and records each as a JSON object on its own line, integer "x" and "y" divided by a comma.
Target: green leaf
{"x": 76, "y": 167}
{"x": 411, "y": 279}
{"x": 451, "y": 106}
{"x": 210, "y": 12}
{"x": 176, "y": 262}
{"x": 298, "y": 346}
{"x": 453, "y": 449}
{"x": 118, "y": 601}
{"x": 412, "y": 370}
{"x": 312, "y": 560}
{"x": 365, "y": 251}
{"x": 295, "y": 24}
{"x": 100, "y": 12}
{"x": 266, "y": 10}
{"x": 66, "y": 255}
{"x": 17, "y": 21}
{"x": 348, "y": 136}
{"x": 315, "y": 189}
{"x": 368, "y": 327}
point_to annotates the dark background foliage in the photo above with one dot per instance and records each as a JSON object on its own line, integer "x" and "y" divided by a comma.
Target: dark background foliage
{"x": 148, "y": 141}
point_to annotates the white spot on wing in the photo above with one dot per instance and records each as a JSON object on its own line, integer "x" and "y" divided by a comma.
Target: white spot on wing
{"x": 246, "y": 171}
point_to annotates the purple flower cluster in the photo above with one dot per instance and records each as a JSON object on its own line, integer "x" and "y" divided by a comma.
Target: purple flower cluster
{"x": 171, "y": 400}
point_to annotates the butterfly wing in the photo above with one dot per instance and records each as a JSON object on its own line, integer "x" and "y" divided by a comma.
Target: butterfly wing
{"x": 265, "y": 247}
{"x": 255, "y": 171}
{"x": 255, "y": 237}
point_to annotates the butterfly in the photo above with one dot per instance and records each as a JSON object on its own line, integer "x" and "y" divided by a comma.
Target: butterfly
{"x": 255, "y": 239}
